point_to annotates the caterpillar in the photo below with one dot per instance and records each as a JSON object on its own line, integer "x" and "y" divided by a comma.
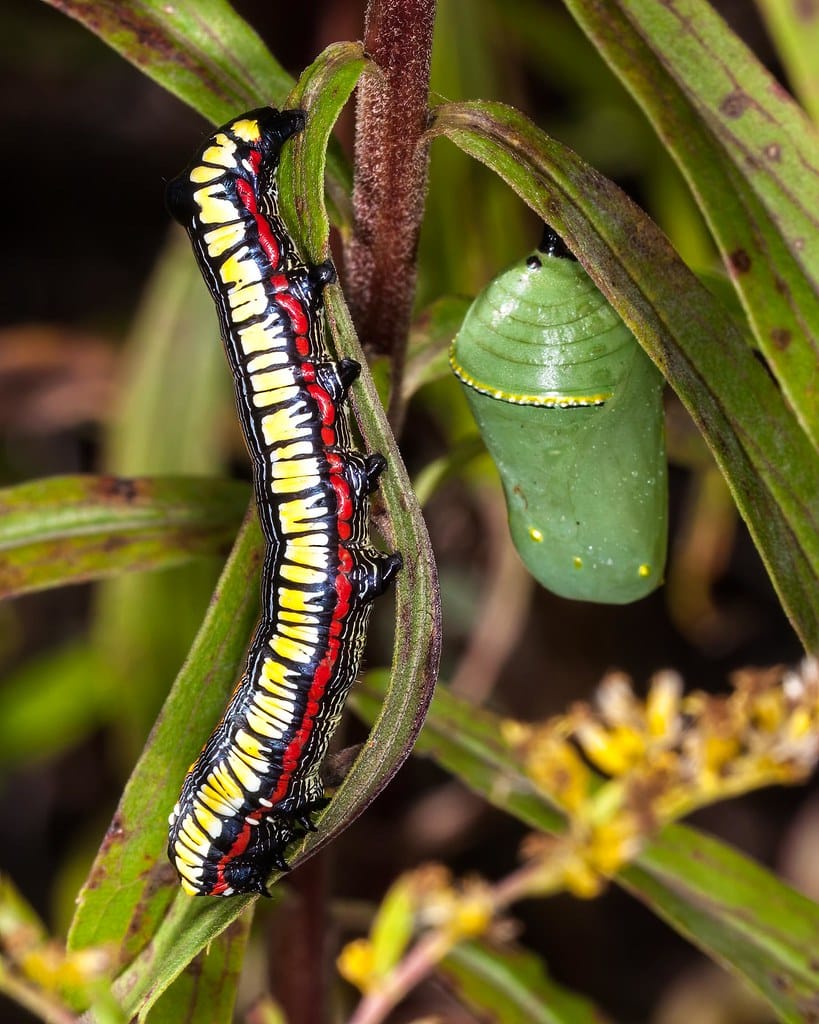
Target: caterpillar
{"x": 570, "y": 409}
{"x": 256, "y": 782}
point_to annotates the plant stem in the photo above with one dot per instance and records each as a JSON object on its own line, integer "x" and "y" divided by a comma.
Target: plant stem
{"x": 390, "y": 178}
{"x": 299, "y": 955}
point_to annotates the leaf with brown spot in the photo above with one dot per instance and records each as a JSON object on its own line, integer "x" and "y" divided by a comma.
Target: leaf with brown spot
{"x": 72, "y": 529}
{"x": 202, "y": 52}
{"x": 721, "y": 114}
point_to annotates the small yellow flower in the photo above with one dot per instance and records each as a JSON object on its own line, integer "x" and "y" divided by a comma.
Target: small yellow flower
{"x": 581, "y": 880}
{"x": 472, "y": 913}
{"x": 614, "y": 751}
{"x": 356, "y": 962}
{"x": 663, "y": 705}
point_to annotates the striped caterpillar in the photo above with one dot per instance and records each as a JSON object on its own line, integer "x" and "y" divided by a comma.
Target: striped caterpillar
{"x": 256, "y": 782}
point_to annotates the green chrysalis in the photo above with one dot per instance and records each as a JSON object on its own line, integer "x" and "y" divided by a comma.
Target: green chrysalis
{"x": 570, "y": 408}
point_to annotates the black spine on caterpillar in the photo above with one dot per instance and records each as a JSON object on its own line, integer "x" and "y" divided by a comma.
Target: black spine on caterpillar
{"x": 253, "y": 787}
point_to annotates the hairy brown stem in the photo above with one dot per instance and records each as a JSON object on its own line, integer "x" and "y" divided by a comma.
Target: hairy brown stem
{"x": 390, "y": 178}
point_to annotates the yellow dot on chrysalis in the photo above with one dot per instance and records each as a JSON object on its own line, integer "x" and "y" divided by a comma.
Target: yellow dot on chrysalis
{"x": 577, "y": 562}
{"x": 535, "y": 534}
{"x": 644, "y": 570}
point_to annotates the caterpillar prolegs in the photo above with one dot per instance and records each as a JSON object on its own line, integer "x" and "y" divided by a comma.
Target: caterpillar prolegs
{"x": 256, "y": 782}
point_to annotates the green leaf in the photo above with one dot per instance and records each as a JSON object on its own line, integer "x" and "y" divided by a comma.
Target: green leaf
{"x": 132, "y": 885}
{"x": 794, "y": 26}
{"x": 323, "y": 89}
{"x": 750, "y": 156}
{"x": 205, "y": 992}
{"x": 770, "y": 465}
{"x": 417, "y": 640}
{"x": 508, "y": 985}
{"x": 740, "y": 914}
{"x": 202, "y": 52}
{"x": 737, "y": 912}
{"x": 71, "y": 529}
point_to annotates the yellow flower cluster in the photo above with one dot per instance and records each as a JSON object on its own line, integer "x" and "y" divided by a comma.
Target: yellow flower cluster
{"x": 664, "y": 757}
{"x": 427, "y": 899}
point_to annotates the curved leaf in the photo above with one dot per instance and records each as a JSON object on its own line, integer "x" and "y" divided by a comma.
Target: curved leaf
{"x": 71, "y": 529}
{"x": 751, "y": 158}
{"x": 770, "y": 465}
{"x": 323, "y": 89}
{"x": 506, "y": 985}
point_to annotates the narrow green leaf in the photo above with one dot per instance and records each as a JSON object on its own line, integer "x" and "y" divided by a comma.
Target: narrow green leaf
{"x": 736, "y": 911}
{"x": 418, "y": 629}
{"x": 205, "y": 992}
{"x": 132, "y": 885}
{"x": 794, "y": 26}
{"x": 770, "y": 465}
{"x": 72, "y": 529}
{"x": 508, "y": 985}
{"x": 751, "y": 158}
{"x": 323, "y": 89}
{"x": 202, "y": 52}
